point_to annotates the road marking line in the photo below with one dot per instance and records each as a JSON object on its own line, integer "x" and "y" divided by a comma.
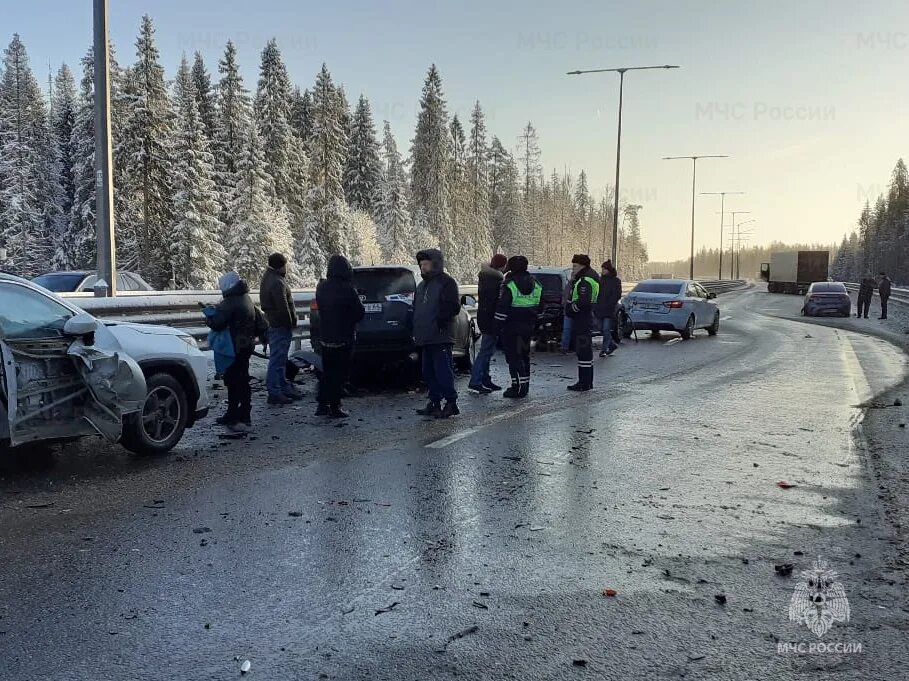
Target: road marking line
{"x": 467, "y": 432}
{"x": 855, "y": 371}
{"x": 445, "y": 441}
{"x": 723, "y": 319}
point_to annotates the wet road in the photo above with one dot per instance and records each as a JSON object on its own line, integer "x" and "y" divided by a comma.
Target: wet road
{"x": 364, "y": 551}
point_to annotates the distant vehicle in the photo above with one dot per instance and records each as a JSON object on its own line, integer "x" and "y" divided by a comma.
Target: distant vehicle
{"x": 65, "y": 374}
{"x": 827, "y": 298}
{"x": 386, "y": 332}
{"x": 82, "y": 281}
{"x": 794, "y": 271}
{"x": 672, "y": 305}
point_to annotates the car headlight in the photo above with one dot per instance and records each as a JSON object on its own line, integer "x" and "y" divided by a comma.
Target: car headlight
{"x": 189, "y": 340}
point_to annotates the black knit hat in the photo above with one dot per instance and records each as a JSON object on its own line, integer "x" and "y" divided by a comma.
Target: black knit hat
{"x": 517, "y": 264}
{"x": 276, "y": 261}
{"x": 581, "y": 259}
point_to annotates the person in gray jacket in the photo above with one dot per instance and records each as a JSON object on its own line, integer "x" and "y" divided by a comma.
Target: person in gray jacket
{"x": 436, "y": 304}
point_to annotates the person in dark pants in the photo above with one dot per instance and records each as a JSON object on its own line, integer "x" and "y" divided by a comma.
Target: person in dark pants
{"x": 278, "y": 305}
{"x": 607, "y": 305}
{"x": 516, "y": 314}
{"x": 489, "y": 285}
{"x": 866, "y": 291}
{"x": 584, "y": 294}
{"x": 436, "y": 304}
{"x": 237, "y": 314}
{"x": 883, "y": 289}
{"x": 339, "y": 311}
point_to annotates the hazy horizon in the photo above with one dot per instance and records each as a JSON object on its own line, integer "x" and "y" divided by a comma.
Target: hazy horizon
{"x": 807, "y": 100}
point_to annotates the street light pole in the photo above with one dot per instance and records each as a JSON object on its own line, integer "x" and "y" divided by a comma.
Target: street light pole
{"x": 694, "y": 172}
{"x": 733, "y": 213}
{"x": 104, "y": 188}
{"x": 722, "y": 222}
{"x": 618, "y": 148}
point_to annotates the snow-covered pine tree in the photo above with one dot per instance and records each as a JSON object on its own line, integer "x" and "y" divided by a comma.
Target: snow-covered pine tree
{"x": 430, "y": 160}
{"x": 25, "y": 170}
{"x": 529, "y": 160}
{"x": 148, "y": 141}
{"x": 79, "y": 249}
{"x": 363, "y": 172}
{"x": 196, "y": 251}
{"x": 582, "y": 207}
{"x": 478, "y": 183}
{"x": 326, "y": 163}
{"x": 460, "y": 258}
{"x": 395, "y": 231}
{"x": 127, "y": 207}
{"x": 205, "y": 97}
{"x": 301, "y": 115}
{"x": 63, "y": 121}
{"x": 234, "y": 108}
{"x": 272, "y": 108}
{"x": 259, "y": 224}
{"x": 505, "y": 201}
{"x": 363, "y": 235}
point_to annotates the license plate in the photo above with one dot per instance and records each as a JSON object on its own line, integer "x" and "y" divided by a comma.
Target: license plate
{"x": 650, "y": 306}
{"x": 373, "y": 307}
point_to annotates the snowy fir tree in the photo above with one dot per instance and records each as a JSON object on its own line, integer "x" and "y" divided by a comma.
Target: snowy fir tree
{"x": 301, "y": 115}
{"x": 478, "y": 184}
{"x": 196, "y": 252}
{"x": 430, "y": 160}
{"x": 63, "y": 122}
{"x": 234, "y": 107}
{"x": 461, "y": 251}
{"x": 363, "y": 239}
{"x": 205, "y": 97}
{"x": 395, "y": 232}
{"x": 505, "y": 203}
{"x": 78, "y": 250}
{"x": 363, "y": 172}
{"x": 272, "y": 109}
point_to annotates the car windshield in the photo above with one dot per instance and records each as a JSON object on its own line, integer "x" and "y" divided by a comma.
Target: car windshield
{"x": 657, "y": 287}
{"x": 828, "y": 288}
{"x": 25, "y": 313}
{"x": 375, "y": 286}
{"x": 552, "y": 284}
{"x": 60, "y": 283}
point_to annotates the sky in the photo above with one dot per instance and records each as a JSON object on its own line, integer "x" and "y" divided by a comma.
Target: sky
{"x": 808, "y": 97}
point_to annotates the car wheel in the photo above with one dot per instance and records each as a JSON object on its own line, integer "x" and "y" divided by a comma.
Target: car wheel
{"x": 162, "y": 420}
{"x": 465, "y": 363}
{"x": 688, "y": 330}
{"x": 714, "y": 328}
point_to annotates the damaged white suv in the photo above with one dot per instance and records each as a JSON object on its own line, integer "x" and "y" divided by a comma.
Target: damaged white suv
{"x": 66, "y": 374}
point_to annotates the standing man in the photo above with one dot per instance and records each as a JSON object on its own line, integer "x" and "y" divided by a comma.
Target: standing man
{"x": 435, "y": 306}
{"x": 883, "y": 289}
{"x": 866, "y": 291}
{"x": 607, "y": 304}
{"x": 566, "y": 320}
{"x": 517, "y": 313}
{"x": 278, "y": 305}
{"x": 489, "y": 283}
{"x": 236, "y": 314}
{"x": 585, "y": 292}
{"x": 339, "y": 311}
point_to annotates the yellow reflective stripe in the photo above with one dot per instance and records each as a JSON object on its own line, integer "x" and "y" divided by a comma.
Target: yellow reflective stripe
{"x": 531, "y": 299}
{"x": 594, "y": 289}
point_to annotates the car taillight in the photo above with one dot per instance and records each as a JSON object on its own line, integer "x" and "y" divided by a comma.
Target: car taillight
{"x": 673, "y": 303}
{"x": 313, "y": 306}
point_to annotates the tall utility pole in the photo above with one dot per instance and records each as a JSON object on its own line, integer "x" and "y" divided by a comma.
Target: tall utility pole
{"x": 618, "y": 147}
{"x": 733, "y": 213}
{"x": 694, "y": 174}
{"x": 104, "y": 186}
{"x": 722, "y": 222}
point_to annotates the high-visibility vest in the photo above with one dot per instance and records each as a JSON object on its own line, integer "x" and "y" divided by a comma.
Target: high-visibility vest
{"x": 531, "y": 299}
{"x": 594, "y": 289}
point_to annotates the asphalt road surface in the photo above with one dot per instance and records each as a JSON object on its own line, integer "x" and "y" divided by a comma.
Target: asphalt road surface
{"x": 482, "y": 547}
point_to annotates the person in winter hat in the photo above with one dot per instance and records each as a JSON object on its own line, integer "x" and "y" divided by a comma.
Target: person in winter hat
{"x": 519, "y": 307}
{"x": 585, "y": 290}
{"x": 489, "y": 284}
{"x": 278, "y": 305}
{"x": 606, "y": 306}
{"x": 436, "y": 304}
{"x": 883, "y": 289}
{"x": 340, "y": 310}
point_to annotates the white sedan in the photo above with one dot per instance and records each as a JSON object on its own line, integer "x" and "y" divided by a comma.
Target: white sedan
{"x": 65, "y": 374}
{"x": 677, "y": 305}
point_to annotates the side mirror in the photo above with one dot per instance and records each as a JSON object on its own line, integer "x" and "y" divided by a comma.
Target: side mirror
{"x": 711, "y": 294}
{"x": 81, "y": 324}
{"x": 468, "y": 301}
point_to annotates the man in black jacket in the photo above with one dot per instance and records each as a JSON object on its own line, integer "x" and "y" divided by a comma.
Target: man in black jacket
{"x": 585, "y": 290}
{"x": 883, "y": 289}
{"x": 436, "y": 304}
{"x": 607, "y": 304}
{"x": 278, "y": 305}
{"x": 339, "y": 311}
{"x": 237, "y": 314}
{"x": 865, "y": 294}
{"x": 519, "y": 307}
{"x": 489, "y": 285}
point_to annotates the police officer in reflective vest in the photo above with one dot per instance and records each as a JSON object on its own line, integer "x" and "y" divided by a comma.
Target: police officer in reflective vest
{"x": 585, "y": 289}
{"x": 516, "y": 315}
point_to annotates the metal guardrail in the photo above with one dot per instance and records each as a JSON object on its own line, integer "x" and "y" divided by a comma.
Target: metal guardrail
{"x": 182, "y": 310}
{"x": 897, "y": 295}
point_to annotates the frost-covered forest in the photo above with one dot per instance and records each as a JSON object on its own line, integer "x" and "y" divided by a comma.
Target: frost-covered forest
{"x": 212, "y": 173}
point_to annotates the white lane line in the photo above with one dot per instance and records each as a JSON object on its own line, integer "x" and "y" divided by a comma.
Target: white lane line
{"x": 467, "y": 432}
{"x": 723, "y": 319}
{"x": 855, "y": 371}
{"x": 445, "y": 441}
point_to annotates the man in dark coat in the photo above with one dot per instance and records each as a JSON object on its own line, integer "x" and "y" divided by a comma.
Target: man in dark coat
{"x": 278, "y": 305}
{"x": 607, "y": 304}
{"x": 866, "y": 291}
{"x": 883, "y": 289}
{"x": 585, "y": 290}
{"x": 489, "y": 285}
{"x": 520, "y": 304}
{"x": 340, "y": 310}
{"x": 436, "y": 304}
{"x": 237, "y": 314}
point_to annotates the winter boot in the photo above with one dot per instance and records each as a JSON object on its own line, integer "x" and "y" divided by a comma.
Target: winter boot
{"x": 322, "y": 410}
{"x": 451, "y": 409}
{"x": 431, "y": 409}
{"x": 524, "y": 388}
{"x": 335, "y": 412}
{"x": 515, "y": 388}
